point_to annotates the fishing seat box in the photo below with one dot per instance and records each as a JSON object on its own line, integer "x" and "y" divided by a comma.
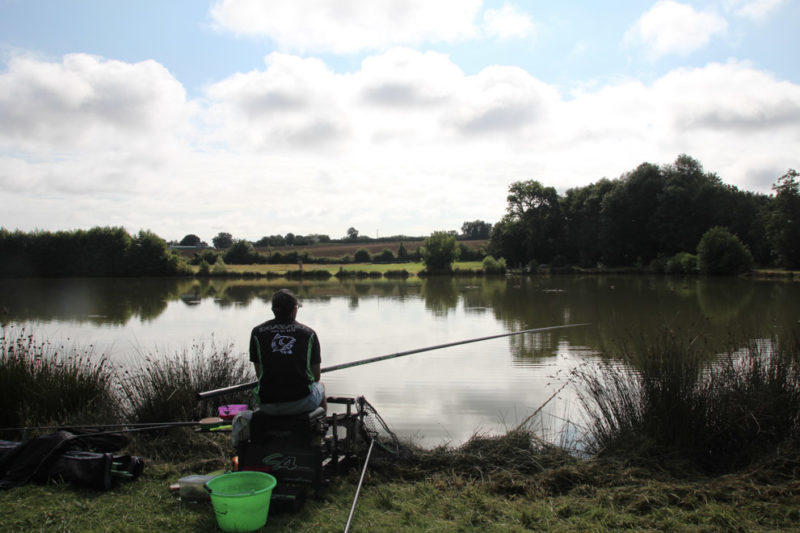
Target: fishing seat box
{"x": 289, "y": 447}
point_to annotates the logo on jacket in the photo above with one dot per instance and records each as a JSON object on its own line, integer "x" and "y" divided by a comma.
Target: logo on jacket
{"x": 283, "y": 344}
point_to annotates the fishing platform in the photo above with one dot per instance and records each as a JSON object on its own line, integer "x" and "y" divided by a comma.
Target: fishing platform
{"x": 305, "y": 451}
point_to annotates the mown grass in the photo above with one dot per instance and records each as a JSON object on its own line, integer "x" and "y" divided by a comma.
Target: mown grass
{"x": 579, "y": 495}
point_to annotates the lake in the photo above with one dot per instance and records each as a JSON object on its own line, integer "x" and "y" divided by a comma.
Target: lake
{"x": 442, "y": 396}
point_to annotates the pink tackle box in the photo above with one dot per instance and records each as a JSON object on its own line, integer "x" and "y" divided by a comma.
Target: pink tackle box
{"x": 227, "y": 412}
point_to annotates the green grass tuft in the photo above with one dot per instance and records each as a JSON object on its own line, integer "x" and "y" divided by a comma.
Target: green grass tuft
{"x": 44, "y": 383}
{"x": 674, "y": 402}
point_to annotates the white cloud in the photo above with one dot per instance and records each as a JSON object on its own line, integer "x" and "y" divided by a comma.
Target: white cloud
{"x": 294, "y": 102}
{"x": 85, "y": 102}
{"x": 755, "y": 9}
{"x": 670, "y": 27}
{"x": 504, "y": 100}
{"x": 404, "y": 78}
{"x": 348, "y": 26}
{"x": 507, "y": 22}
{"x": 730, "y": 98}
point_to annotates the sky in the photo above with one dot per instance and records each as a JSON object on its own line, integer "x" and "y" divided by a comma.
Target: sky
{"x": 394, "y": 117}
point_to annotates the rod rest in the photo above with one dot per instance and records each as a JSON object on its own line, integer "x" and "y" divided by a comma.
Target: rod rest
{"x": 341, "y": 400}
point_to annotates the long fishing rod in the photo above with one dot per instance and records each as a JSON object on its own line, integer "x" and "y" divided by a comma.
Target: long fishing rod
{"x": 98, "y": 426}
{"x": 204, "y": 423}
{"x": 246, "y": 386}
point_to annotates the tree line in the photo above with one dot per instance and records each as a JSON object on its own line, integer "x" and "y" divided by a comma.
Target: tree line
{"x": 676, "y": 217}
{"x": 98, "y": 252}
{"x": 470, "y": 230}
{"x": 645, "y": 218}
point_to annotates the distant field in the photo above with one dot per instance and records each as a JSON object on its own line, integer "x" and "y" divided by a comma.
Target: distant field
{"x": 341, "y": 249}
{"x": 411, "y": 268}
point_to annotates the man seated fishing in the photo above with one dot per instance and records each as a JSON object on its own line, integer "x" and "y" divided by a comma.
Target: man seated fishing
{"x": 286, "y": 355}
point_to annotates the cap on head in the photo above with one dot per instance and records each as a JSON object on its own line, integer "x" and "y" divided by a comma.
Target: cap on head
{"x": 283, "y": 302}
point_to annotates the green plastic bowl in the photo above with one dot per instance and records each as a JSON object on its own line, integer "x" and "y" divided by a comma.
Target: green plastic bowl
{"x": 241, "y": 499}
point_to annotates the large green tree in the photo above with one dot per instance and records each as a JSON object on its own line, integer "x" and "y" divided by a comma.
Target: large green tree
{"x": 533, "y": 226}
{"x": 582, "y": 208}
{"x": 685, "y": 203}
{"x": 190, "y": 240}
{"x": 626, "y": 234}
{"x": 222, "y": 240}
{"x": 439, "y": 252}
{"x": 784, "y": 221}
{"x": 476, "y": 229}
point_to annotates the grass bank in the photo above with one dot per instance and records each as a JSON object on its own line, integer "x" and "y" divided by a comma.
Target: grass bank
{"x": 656, "y": 424}
{"x": 444, "y": 491}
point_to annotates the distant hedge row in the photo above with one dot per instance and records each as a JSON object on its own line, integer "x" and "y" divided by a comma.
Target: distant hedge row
{"x": 98, "y": 252}
{"x": 242, "y": 252}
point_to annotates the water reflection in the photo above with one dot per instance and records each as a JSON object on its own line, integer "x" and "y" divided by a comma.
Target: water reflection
{"x": 444, "y": 395}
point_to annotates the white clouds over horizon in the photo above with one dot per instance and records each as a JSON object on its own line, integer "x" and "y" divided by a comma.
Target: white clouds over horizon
{"x": 405, "y": 139}
{"x": 405, "y": 122}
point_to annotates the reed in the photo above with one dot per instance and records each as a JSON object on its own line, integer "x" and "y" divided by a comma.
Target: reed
{"x": 670, "y": 400}
{"x": 44, "y": 383}
{"x": 160, "y": 387}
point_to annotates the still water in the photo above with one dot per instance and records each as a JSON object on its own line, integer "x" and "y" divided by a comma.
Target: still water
{"x": 438, "y": 397}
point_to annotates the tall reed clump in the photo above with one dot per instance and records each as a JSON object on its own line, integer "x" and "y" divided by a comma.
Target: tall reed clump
{"x": 163, "y": 388}
{"x": 671, "y": 399}
{"x": 45, "y": 383}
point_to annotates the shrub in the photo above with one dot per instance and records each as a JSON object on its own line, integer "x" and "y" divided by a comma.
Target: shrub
{"x": 494, "y": 266}
{"x": 681, "y": 263}
{"x": 722, "y": 253}
{"x": 467, "y": 253}
{"x": 208, "y": 256}
{"x": 439, "y": 251}
{"x": 402, "y": 253}
{"x": 386, "y": 256}
{"x": 362, "y": 256}
{"x": 219, "y": 267}
{"x": 317, "y": 273}
{"x": 148, "y": 255}
{"x": 242, "y": 253}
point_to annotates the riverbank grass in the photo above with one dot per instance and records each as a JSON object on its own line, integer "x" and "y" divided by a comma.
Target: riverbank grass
{"x": 584, "y": 495}
{"x": 44, "y": 383}
{"x": 682, "y": 440}
{"x": 673, "y": 402}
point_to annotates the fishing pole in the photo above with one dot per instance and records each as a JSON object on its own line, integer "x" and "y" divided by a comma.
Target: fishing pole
{"x": 246, "y": 386}
{"x": 205, "y": 422}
